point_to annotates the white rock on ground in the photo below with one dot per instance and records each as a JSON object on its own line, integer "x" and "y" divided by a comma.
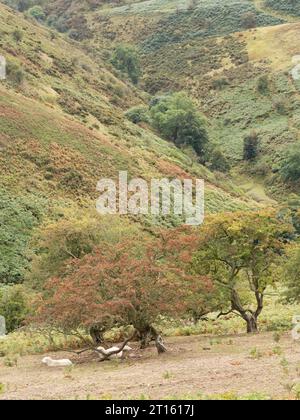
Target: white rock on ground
{"x": 57, "y": 363}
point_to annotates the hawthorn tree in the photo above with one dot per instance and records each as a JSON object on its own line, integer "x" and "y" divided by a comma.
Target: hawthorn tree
{"x": 71, "y": 238}
{"x": 200, "y": 296}
{"x": 131, "y": 283}
{"x": 238, "y": 251}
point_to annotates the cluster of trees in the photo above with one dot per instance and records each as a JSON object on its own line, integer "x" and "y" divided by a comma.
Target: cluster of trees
{"x": 95, "y": 281}
{"x": 176, "y": 118}
{"x": 91, "y": 274}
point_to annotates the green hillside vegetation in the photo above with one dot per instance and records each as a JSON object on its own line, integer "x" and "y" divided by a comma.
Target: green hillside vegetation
{"x": 213, "y": 50}
{"x": 63, "y": 128}
{"x": 291, "y": 7}
{"x": 182, "y": 89}
{"x": 220, "y": 55}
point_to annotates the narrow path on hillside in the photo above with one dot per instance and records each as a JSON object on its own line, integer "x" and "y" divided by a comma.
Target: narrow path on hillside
{"x": 260, "y": 5}
{"x": 255, "y": 190}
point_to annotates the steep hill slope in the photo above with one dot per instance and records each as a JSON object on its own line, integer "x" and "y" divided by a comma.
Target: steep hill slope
{"x": 68, "y": 99}
{"x": 206, "y": 48}
{"x": 62, "y": 128}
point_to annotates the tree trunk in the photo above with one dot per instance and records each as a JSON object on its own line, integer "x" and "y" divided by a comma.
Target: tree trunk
{"x": 145, "y": 336}
{"x": 96, "y": 332}
{"x": 149, "y": 334}
{"x": 250, "y": 317}
{"x": 252, "y": 327}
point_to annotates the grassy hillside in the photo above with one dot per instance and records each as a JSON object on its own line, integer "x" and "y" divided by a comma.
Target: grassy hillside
{"x": 62, "y": 107}
{"x": 219, "y": 56}
{"x": 182, "y": 89}
{"x": 206, "y": 48}
{"x": 289, "y": 7}
{"x": 62, "y": 128}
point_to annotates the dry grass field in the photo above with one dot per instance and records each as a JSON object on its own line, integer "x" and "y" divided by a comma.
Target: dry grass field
{"x": 228, "y": 367}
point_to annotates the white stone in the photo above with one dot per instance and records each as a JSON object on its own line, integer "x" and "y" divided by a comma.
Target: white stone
{"x": 57, "y": 363}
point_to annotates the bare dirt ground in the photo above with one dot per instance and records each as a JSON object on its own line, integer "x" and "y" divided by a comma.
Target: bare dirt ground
{"x": 192, "y": 366}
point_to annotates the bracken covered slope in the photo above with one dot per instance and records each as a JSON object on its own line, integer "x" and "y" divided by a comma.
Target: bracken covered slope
{"x": 218, "y": 51}
{"x": 62, "y": 128}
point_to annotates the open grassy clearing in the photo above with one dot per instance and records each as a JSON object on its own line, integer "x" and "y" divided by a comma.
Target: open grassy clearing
{"x": 225, "y": 367}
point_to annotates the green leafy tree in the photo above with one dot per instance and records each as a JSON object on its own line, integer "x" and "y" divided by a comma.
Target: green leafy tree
{"x": 126, "y": 59}
{"x": 176, "y": 117}
{"x": 263, "y": 85}
{"x": 71, "y": 238}
{"x": 14, "y": 306}
{"x": 218, "y": 161}
{"x": 37, "y": 13}
{"x": 238, "y": 252}
{"x": 251, "y": 146}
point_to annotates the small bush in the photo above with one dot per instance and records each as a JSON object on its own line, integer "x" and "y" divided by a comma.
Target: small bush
{"x": 251, "y": 146}
{"x": 218, "y": 161}
{"x": 219, "y": 84}
{"x": 280, "y": 106}
{"x": 255, "y": 353}
{"x": 13, "y": 306}
{"x": 138, "y": 114}
{"x": 15, "y": 73}
{"x": 263, "y": 85}
{"x": 37, "y": 13}
{"x": 17, "y": 35}
{"x": 249, "y": 20}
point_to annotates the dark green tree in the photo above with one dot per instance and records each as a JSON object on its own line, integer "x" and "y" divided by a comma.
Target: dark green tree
{"x": 218, "y": 161}
{"x": 251, "y": 146}
{"x": 176, "y": 117}
{"x": 126, "y": 59}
